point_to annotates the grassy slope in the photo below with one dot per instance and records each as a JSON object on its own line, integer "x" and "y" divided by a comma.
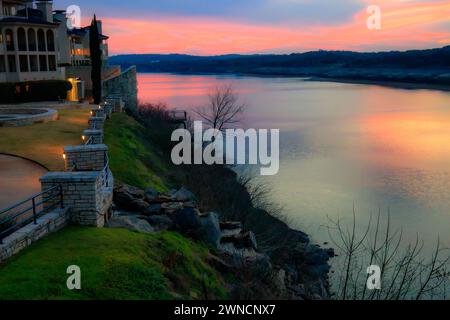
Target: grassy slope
{"x": 115, "y": 264}
{"x": 44, "y": 142}
{"x": 134, "y": 159}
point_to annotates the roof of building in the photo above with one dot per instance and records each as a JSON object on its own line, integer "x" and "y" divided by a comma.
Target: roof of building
{"x": 24, "y": 20}
{"x": 29, "y": 16}
{"x": 81, "y": 32}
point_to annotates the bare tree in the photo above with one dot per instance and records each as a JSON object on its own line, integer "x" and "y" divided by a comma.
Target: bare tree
{"x": 406, "y": 273}
{"x": 223, "y": 110}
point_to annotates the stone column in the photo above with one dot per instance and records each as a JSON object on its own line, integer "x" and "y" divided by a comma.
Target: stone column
{"x": 96, "y": 123}
{"x": 86, "y": 157}
{"x": 98, "y": 112}
{"x": 83, "y": 193}
{"x": 96, "y": 135}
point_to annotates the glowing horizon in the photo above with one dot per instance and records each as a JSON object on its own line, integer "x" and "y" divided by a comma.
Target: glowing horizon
{"x": 406, "y": 24}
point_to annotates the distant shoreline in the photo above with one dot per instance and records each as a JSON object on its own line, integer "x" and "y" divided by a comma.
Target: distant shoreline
{"x": 389, "y": 84}
{"x": 382, "y": 83}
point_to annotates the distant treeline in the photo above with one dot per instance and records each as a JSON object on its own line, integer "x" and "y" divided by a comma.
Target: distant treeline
{"x": 430, "y": 66}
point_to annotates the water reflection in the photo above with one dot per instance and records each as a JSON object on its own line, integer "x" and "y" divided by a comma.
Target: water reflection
{"x": 342, "y": 145}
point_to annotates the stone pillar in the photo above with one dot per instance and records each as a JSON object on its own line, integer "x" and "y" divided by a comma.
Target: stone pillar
{"x": 84, "y": 193}
{"x": 98, "y": 112}
{"x": 108, "y": 108}
{"x": 96, "y": 123}
{"x": 86, "y": 157}
{"x": 96, "y": 135}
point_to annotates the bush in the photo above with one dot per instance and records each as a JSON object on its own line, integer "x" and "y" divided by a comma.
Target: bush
{"x": 48, "y": 90}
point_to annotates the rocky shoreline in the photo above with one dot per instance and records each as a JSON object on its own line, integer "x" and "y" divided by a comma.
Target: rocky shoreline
{"x": 299, "y": 272}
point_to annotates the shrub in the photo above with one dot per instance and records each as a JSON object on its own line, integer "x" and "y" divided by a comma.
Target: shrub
{"x": 31, "y": 91}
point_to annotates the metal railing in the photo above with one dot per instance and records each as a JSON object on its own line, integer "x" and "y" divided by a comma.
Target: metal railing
{"x": 178, "y": 115}
{"x": 29, "y": 210}
{"x": 90, "y": 140}
{"x": 105, "y": 172}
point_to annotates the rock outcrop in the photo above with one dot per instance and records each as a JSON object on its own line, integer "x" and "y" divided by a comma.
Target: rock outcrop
{"x": 299, "y": 273}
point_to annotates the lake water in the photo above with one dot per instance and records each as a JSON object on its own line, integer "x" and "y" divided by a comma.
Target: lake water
{"x": 342, "y": 146}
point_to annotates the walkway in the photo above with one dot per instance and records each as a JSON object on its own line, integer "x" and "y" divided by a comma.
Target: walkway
{"x": 19, "y": 179}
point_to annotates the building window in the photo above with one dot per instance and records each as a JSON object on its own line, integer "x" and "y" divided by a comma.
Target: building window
{"x": 43, "y": 63}
{"x": 52, "y": 63}
{"x": 12, "y": 63}
{"x": 41, "y": 40}
{"x": 23, "y": 62}
{"x": 33, "y": 63}
{"x": 50, "y": 40}
{"x": 32, "y": 40}
{"x": 9, "y": 40}
{"x": 2, "y": 64}
{"x": 21, "y": 39}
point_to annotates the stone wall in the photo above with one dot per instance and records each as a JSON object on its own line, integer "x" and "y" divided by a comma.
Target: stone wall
{"x": 125, "y": 85}
{"x": 31, "y": 233}
{"x": 85, "y": 193}
{"x": 85, "y": 157}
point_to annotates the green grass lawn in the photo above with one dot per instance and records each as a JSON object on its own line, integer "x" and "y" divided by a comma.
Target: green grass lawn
{"x": 115, "y": 264}
{"x": 44, "y": 142}
{"x": 134, "y": 159}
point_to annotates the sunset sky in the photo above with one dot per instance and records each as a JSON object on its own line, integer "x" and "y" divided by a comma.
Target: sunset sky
{"x": 210, "y": 27}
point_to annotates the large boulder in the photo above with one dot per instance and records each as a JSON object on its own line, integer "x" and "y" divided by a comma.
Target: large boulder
{"x": 211, "y": 229}
{"x": 129, "y": 198}
{"x": 138, "y": 205}
{"x": 131, "y": 223}
{"x": 186, "y": 219}
{"x": 161, "y": 223}
{"x": 171, "y": 207}
{"x": 151, "y": 195}
{"x": 243, "y": 240}
{"x": 153, "y": 209}
{"x": 183, "y": 195}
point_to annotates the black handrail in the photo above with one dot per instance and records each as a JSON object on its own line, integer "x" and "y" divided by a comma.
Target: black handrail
{"x": 90, "y": 140}
{"x": 11, "y": 220}
{"x": 105, "y": 172}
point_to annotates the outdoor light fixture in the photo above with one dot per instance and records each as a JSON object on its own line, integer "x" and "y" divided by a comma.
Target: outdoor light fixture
{"x": 83, "y": 138}
{"x": 64, "y": 156}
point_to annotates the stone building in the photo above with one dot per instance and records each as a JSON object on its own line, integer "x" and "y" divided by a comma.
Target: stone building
{"x": 29, "y": 48}
{"x": 36, "y": 44}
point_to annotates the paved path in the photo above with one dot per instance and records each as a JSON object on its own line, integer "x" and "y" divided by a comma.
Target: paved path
{"x": 19, "y": 179}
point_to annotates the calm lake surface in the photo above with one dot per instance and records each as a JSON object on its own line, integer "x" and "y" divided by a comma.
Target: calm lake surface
{"x": 342, "y": 146}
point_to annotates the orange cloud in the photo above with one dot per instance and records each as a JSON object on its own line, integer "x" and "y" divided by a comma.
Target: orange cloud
{"x": 405, "y": 24}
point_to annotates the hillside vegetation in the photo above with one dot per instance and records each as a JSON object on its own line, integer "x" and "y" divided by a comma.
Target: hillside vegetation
{"x": 134, "y": 157}
{"x": 115, "y": 264}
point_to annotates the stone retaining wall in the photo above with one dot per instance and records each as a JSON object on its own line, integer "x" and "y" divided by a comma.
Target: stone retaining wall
{"x": 31, "y": 233}
{"x": 124, "y": 85}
